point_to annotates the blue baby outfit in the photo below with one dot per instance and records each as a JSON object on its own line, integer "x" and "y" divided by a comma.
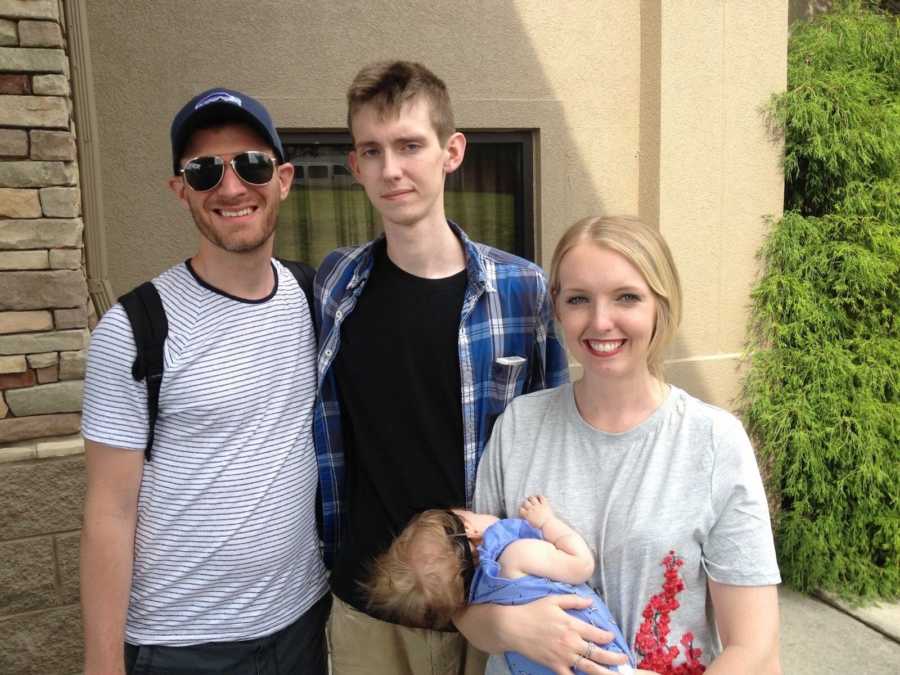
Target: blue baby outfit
{"x": 489, "y": 586}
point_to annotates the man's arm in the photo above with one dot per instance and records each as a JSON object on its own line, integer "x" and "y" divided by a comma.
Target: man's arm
{"x": 107, "y": 553}
{"x": 747, "y": 619}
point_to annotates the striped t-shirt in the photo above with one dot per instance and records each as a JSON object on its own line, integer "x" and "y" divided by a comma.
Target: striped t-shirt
{"x": 226, "y": 546}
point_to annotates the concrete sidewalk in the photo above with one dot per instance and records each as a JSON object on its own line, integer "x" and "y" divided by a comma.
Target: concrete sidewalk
{"x": 819, "y": 638}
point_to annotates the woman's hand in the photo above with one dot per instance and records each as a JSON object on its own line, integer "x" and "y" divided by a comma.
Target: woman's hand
{"x": 543, "y": 632}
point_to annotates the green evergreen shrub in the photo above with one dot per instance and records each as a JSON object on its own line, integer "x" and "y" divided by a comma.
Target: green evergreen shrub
{"x": 822, "y": 391}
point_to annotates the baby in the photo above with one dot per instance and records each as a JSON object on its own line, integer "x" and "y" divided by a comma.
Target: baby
{"x": 432, "y": 570}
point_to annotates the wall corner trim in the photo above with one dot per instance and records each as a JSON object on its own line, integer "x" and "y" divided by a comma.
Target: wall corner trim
{"x": 85, "y": 115}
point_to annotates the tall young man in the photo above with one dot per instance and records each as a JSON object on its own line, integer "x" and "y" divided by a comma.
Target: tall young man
{"x": 425, "y": 336}
{"x": 206, "y": 559}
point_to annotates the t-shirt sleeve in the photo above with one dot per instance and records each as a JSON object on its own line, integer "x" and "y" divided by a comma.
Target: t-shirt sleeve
{"x": 489, "y": 478}
{"x": 115, "y": 404}
{"x": 739, "y": 549}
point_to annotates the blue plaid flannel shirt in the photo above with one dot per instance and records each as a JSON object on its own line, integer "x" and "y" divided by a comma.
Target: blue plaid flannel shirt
{"x": 507, "y": 347}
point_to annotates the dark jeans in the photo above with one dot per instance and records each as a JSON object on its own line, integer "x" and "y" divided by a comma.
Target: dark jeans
{"x": 298, "y": 649}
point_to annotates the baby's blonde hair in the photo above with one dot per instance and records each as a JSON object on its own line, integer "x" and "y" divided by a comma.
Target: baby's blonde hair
{"x": 418, "y": 581}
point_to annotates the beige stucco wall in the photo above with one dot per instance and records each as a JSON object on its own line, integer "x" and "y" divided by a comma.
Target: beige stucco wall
{"x": 644, "y": 106}
{"x": 714, "y": 174}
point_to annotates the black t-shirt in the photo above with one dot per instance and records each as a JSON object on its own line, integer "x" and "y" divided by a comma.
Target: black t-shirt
{"x": 401, "y": 411}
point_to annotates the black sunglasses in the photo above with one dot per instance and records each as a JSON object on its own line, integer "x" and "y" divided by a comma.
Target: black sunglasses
{"x": 204, "y": 173}
{"x": 464, "y": 548}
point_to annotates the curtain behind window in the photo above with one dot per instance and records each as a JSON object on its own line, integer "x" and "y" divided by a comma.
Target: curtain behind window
{"x": 327, "y": 209}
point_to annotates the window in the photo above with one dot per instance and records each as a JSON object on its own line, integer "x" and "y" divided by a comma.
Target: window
{"x": 490, "y": 196}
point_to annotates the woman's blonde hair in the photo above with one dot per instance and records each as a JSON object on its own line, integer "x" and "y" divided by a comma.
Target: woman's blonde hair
{"x": 645, "y": 248}
{"x": 418, "y": 581}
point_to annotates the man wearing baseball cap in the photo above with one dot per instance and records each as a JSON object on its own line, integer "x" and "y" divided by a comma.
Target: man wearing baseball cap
{"x": 205, "y": 559}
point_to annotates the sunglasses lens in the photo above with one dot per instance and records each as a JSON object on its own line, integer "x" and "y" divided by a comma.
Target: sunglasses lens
{"x": 204, "y": 173}
{"x": 254, "y": 167}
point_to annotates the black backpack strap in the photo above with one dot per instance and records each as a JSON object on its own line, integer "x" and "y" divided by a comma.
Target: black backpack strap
{"x": 150, "y": 327}
{"x": 305, "y": 275}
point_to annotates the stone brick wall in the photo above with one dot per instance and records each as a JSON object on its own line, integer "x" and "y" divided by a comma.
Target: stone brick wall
{"x": 44, "y": 312}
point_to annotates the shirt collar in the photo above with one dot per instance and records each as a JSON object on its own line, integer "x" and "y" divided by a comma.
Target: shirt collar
{"x": 475, "y": 270}
{"x": 366, "y": 260}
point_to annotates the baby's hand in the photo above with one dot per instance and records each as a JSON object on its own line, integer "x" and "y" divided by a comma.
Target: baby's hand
{"x": 536, "y": 510}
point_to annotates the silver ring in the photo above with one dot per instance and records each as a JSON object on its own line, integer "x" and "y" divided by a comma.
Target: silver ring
{"x": 590, "y": 648}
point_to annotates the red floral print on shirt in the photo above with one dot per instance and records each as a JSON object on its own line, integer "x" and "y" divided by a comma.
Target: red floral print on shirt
{"x": 652, "y": 641}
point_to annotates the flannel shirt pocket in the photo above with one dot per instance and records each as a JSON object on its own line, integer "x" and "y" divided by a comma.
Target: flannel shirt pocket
{"x": 508, "y": 375}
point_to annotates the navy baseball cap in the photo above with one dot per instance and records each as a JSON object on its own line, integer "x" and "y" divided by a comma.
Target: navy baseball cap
{"x": 220, "y": 105}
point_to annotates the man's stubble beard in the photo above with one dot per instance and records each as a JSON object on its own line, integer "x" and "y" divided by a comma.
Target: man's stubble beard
{"x": 210, "y": 234}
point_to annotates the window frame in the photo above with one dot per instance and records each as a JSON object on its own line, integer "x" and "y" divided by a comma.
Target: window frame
{"x": 526, "y": 231}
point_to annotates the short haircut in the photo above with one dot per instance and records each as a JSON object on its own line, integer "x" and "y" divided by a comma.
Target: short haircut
{"x": 645, "y": 248}
{"x": 418, "y": 581}
{"x": 388, "y": 85}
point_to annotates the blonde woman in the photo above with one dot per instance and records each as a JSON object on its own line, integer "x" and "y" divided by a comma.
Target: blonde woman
{"x": 664, "y": 487}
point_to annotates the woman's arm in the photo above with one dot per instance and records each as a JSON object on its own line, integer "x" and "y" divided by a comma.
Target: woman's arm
{"x": 740, "y": 549}
{"x": 747, "y": 619}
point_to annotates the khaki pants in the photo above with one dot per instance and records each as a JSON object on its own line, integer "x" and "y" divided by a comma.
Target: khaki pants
{"x": 361, "y": 645}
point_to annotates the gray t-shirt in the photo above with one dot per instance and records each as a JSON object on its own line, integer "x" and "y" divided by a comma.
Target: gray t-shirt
{"x": 684, "y": 480}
